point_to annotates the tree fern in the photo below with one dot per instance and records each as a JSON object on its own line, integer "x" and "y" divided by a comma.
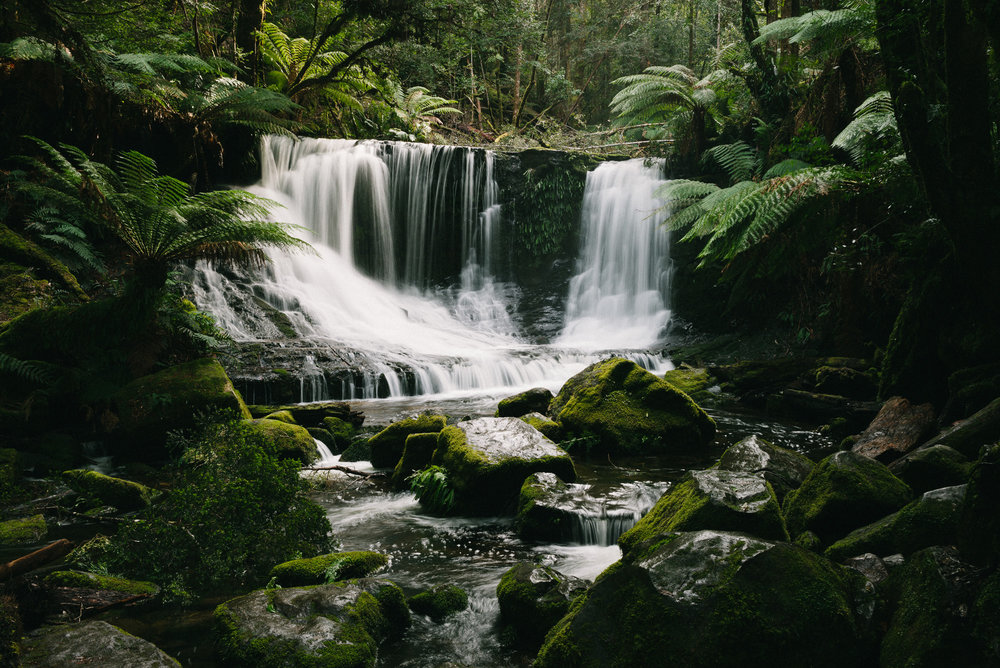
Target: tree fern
{"x": 739, "y": 160}
{"x": 874, "y": 123}
{"x": 825, "y": 30}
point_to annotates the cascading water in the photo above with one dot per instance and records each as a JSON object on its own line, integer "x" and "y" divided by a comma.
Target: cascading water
{"x": 400, "y": 296}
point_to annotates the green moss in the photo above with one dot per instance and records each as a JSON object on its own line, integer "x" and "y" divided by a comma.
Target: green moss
{"x": 843, "y": 492}
{"x": 629, "y": 409}
{"x": 122, "y": 494}
{"x": 281, "y": 416}
{"x": 16, "y": 248}
{"x": 549, "y": 428}
{"x": 357, "y": 451}
{"x": 103, "y": 582}
{"x": 692, "y": 505}
{"x": 291, "y": 440}
{"x": 387, "y": 445}
{"x": 440, "y": 602}
{"x": 416, "y": 455}
{"x": 693, "y": 382}
{"x": 932, "y": 468}
{"x": 23, "y": 531}
{"x": 535, "y": 400}
{"x": 328, "y": 568}
{"x": 533, "y": 598}
{"x": 341, "y": 430}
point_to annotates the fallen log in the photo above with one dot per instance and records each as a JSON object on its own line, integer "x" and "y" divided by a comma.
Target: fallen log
{"x": 36, "y": 559}
{"x": 344, "y": 469}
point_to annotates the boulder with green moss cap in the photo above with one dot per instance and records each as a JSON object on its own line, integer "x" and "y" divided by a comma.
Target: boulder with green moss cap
{"x": 784, "y": 469}
{"x": 698, "y": 384}
{"x": 439, "y": 602}
{"x": 281, "y": 416}
{"x": 487, "y": 460}
{"x": 387, "y": 445}
{"x": 23, "y": 531}
{"x": 341, "y": 430}
{"x": 327, "y": 626}
{"x": 328, "y": 568}
{"x": 90, "y": 643}
{"x": 313, "y": 414}
{"x": 713, "y": 499}
{"x": 708, "y": 598}
{"x": 845, "y": 491}
{"x": 290, "y": 440}
{"x": 549, "y": 428}
{"x": 932, "y": 468}
{"x": 118, "y": 492}
{"x": 930, "y": 520}
{"x": 535, "y": 400}
{"x": 417, "y": 453}
{"x": 533, "y": 598}
{"x": 629, "y": 410}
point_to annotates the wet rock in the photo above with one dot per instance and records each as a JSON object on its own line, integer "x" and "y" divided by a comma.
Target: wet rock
{"x": 979, "y": 526}
{"x": 328, "y": 568}
{"x": 930, "y": 520}
{"x": 533, "y": 598}
{"x": 103, "y": 489}
{"x": 969, "y": 435}
{"x": 341, "y": 430}
{"x": 90, "y": 643}
{"x": 551, "y": 510}
{"x": 387, "y": 445}
{"x": 339, "y": 624}
{"x": 822, "y": 407}
{"x": 784, "y": 469}
{"x": 324, "y": 437}
{"x": 869, "y": 565}
{"x": 487, "y": 460}
{"x": 930, "y": 598}
{"x": 713, "y": 499}
{"x": 711, "y": 598}
{"x": 440, "y": 602}
{"x": 535, "y": 400}
{"x": 932, "y": 468}
{"x": 844, "y": 491}
{"x": 291, "y": 440}
{"x": 417, "y": 453}
{"x": 549, "y": 428}
{"x": 897, "y": 429}
{"x": 627, "y": 409}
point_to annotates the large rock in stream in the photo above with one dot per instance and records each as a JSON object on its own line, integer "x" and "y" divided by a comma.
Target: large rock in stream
{"x": 785, "y": 469}
{"x": 533, "y": 598}
{"x": 620, "y": 407}
{"x": 387, "y": 445}
{"x": 709, "y": 599}
{"x": 337, "y": 625}
{"x": 92, "y": 644}
{"x": 487, "y": 460}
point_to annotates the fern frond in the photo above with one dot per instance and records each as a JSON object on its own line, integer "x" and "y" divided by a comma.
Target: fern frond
{"x": 874, "y": 120}
{"x": 738, "y": 160}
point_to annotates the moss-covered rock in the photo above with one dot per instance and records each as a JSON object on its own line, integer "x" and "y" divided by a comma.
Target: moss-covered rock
{"x": 713, "y": 499}
{"x": 281, "y": 416}
{"x": 533, "y": 598}
{"x": 845, "y": 491}
{"x": 91, "y": 643}
{"x": 328, "y": 568}
{"x": 845, "y": 381}
{"x": 716, "y": 599}
{"x": 170, "y": 399}
{"x": 440, "y": 602}
{"x": 118, "y": 492}
{"x": 357, "y": 451}
{"x": 784, "y": 469}
{"x": 932, "y": 468}
{"x": 341, "y": 430}
{"x": 539, "y": 513}
{"x": 930, "y": 598}
{"x": 417, "y": 453}
{"x": 628, "y": 409}
{"x": 324, "y": 437}
{"x": 550, "y": 428}
{"x": 313, "y": 414}
{"x": 487, "y": 460}
{"x": 82, "y": 580}
{"x": 930, "y": 520}
{"x": 387, "y": 445}
{"x": 969, "y": 435}
{"x": 23, "y": 531}
{"x": 979, "y": 526}
{"x": 290, "y": 440}
{"x": 339, "y": 625}
{"x": 698, "y": 384}
{"x": 535, "y": 400}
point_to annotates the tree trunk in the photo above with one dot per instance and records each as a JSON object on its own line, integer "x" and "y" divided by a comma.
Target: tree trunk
{"x": 249, "y": 21}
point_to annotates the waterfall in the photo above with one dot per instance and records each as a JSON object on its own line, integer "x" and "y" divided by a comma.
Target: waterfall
{"x": 617, "y": 298}
{"x": 400, "y": 295}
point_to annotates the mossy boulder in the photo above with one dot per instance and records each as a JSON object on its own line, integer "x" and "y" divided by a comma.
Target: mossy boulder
{"x": 698, "y": 384}
{"x": 845, "y": 381}
{"x": 23, "y": 531}
{"x": 324, "y": 437}
{"x": 785, "y": 469}
{"x": 533, "y": 598}
{"x": 90, "y": 643}
{"x": 313, "y": 414}
{"x": 713, "y": 499}
{"x": 357, "y": 451}
{"x": 341, "y": 430}
{"x": 334, "y": 625}
{"x": 439, "y": 602}
{"x": 930, "y": 598}
{"x": 281, "y": 416}
{"x": 550, "y": 428}
{"x": 487, "y": 460}
{"x": 710, "y": 598}
{"x": 629, "y": 410}
{"x": 932, "y": 468}
{"x": 969, "y": 435}
{"x": 417, "y": 453}
{"x": 82, "y": 580}
{"x": 290, "y": 440}
{"x": 104, "y": 489}
{"x": 979, "y": 526}
{"x": 930, "y": 520}
{"x": 845, "y": 491}
{"x": 387, "y": 445}
{"x": 535, "y": 400}
{"x": 328, "y": 568}
{"x": 540, "y": 515}
{"x": 170, "y": 399}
